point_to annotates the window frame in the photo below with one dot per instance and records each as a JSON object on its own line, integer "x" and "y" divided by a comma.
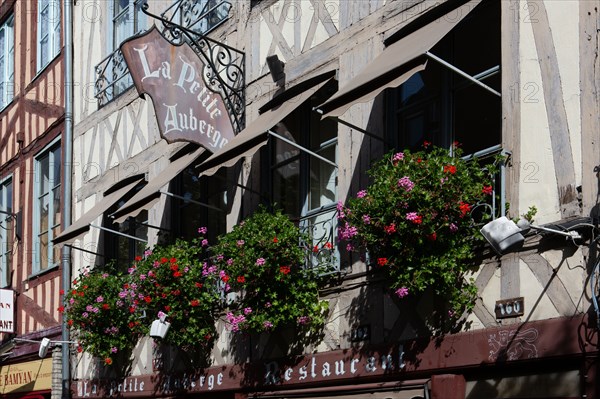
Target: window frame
{"x": 50, "y": 150}
{"x": 7, "y": 55}
{"x": 53, "y": 35}
{"x": 445, "y": 100}
{"x": 308, "y": 218}
{"x": 6, "y": 242}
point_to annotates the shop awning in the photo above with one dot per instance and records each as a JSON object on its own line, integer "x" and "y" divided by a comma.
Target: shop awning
{"x": 150, "y": 194}
{"x": 82, "y": 225}
{"x": 396, "y": 64}
{"x": 249, "y": 140}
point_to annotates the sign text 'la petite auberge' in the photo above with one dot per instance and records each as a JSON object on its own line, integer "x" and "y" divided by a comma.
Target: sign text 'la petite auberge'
{"x": 186, "y": 109}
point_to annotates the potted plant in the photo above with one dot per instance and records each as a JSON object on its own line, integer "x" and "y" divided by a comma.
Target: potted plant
{"x": 102, "y": 309}
{"x": 262, "y": 261}
{"x": 416, "y": 221}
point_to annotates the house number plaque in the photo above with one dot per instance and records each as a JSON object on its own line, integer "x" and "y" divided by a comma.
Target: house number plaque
{"x": 513, "y": 307}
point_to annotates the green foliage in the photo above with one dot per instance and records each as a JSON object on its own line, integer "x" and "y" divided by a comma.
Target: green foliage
{"x": 263, "y": 261}
{"x": 174, "y": 280}
{"x": 416, "y": 220}
{"x": 101, "y": 308}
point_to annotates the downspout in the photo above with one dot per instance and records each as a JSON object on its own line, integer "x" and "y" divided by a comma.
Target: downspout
{"x": 67, "y": 173}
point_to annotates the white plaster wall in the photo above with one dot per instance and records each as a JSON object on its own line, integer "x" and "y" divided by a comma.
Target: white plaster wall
{"x": 564, "y": 22}
{"x": 537, "y": 185}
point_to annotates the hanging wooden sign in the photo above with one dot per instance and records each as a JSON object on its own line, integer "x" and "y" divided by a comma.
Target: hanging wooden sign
{"x": 173, "y": 76}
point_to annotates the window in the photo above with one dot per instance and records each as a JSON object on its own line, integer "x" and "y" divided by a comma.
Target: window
{"x": 440, "y": 106}
{"x": 7, "y": 60}
{"x": 123, "y": 248}
{"x": 201, "y": 16}
{"x": 7, "y": 231}
{"x": 122, "y": 242}
{"x": 48, "y": 32}
{"x": 112, "y": 75}
{"x": 302, "y": 185}
{"x": 47, "y": 213}
{"x": 205, "y": 204}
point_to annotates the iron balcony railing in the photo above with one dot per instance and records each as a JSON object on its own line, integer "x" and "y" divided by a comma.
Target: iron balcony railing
{"x": 202, "y": 16}
{"x": 320, "y": 228}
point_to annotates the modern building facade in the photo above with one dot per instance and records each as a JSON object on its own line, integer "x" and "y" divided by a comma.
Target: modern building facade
{"x": 511, "y": 77}
{"x": 31, "y": 174}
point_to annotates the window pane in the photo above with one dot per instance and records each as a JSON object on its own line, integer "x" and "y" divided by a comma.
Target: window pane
{"x": 56, "y": 206}
{"x": 121, "y": 5}
{"x": 56, "y": 165}
{"x": 8, "y": 206}
{"x": 43, "y": 251}
{"x": 44, "y": 164}
{"x": 44, "y": 51}
{"x": 322, "y": 179}
{"x": 55, "y": 248}
{"x": 44, "y": 210}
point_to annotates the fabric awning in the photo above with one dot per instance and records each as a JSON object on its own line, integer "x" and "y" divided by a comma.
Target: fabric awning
{"x": 82, "y": 225}
{"x": 255, "y": 135}
{"x": 396, "y": 64}
{"x": 150, "y": 194}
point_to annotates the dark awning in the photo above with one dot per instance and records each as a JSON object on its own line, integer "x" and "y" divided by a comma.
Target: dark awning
{"x": 82, "y": 225}
{"x": 249, "y": 140}
{"x": 150, "y": 194}
{"x": 396, "y": 64}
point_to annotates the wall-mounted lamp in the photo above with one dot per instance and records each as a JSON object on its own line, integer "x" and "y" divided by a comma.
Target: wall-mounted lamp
{"x": 276, "y": 68}
{"x": 160, "y": 326}
{"x": 45, "y": 344}
{"x": 11, "y": 217}
{"x": 505, "y": 235}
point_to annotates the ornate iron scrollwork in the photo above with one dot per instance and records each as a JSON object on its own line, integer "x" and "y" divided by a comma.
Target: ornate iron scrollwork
{"x": 224, "y": 65}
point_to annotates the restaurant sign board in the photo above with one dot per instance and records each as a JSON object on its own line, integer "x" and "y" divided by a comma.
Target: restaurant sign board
{"x": 173, "y": 76}
{"x": 26, "y": 377}
{"x": 7, "y": 311}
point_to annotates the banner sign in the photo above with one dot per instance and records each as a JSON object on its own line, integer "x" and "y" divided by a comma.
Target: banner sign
{"x": 7, "y": 311}
{"x": 26, "y": 377}
{"x": 173, "y": 76}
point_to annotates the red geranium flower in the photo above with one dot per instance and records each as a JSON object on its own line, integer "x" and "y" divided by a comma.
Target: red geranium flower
{"x": 194, "y": 302}
{"x": 108, "y": 360}
{"x": 176, "y": 292}
{"x": 275, "y": 240}
{"x": 61, "y": 309}
{"x": 241, "y": 279}
{"x": 105, "y": 306}
{"x": 177, "y": 274}
{"x": 450, "y": 169}
{"x": 390, "y": 229}
{"x": 173, "y": 260}
{"x": 198, "y": 285}
{"x": 382, "y": 261}
{"x": 147, "y": 299}
{"x": 328, "y": 245}
{"x": 79, "y": 349}
{"x": 426, "y": 143}
{"x": 131, "y": 309}
{"x": 163, "y": 260}
{"x": 464, "y": 208}
{"x": 167, "y": 308}
{"x": 225, "y": 278}
{"x": 432, "y": 236}
{"x": 487, "y": 190}
{"x": 70, "y": 322}
{"x": 284, "y": 269}
{"x": 138, "y": 258}
{"x": 174, "y": 267}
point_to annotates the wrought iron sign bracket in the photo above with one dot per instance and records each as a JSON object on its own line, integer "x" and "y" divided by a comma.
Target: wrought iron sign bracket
{"x": 225, "y": 65}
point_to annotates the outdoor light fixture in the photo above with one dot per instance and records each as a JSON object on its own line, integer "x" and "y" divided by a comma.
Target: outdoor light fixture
{"x": 276, "y": 66}
{"x": 45, "y": 344}
{"x": 160, "y": 327}
{"x": 505, "y": 235}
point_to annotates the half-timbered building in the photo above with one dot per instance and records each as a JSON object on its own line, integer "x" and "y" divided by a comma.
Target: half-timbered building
{"x": 350, "y": 81}
{"x": 32, "y": 117}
